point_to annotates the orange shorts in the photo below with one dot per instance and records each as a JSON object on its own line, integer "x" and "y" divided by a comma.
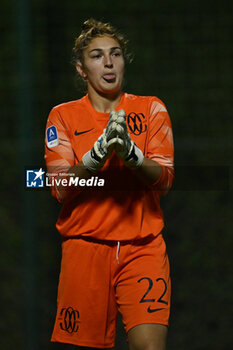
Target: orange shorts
{"x": 98, "y": 278}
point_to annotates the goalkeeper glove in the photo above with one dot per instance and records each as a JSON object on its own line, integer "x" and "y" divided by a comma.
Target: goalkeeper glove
{"x": 125, "y": 148}
{"x": 94, "y": 159}
{"x": 115, "y": 127}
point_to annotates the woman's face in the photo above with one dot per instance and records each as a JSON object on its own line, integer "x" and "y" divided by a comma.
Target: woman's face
{"x": 103, "y": 67}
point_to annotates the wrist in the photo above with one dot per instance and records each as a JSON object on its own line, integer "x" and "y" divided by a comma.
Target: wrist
{"x": 92, "y": 162}
{"x": 135, "y": 157}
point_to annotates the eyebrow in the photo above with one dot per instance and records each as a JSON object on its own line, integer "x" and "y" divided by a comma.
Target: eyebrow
{"x": 111, "y": 49}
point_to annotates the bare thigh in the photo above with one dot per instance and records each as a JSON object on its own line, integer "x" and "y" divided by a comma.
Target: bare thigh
{"x": 147, "y": 337}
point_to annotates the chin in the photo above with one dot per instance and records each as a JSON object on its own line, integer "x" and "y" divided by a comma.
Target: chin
{"x": 112, "y": 89}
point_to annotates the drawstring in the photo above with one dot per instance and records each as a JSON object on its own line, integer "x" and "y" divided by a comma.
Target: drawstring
{"x": 118, "y": 250}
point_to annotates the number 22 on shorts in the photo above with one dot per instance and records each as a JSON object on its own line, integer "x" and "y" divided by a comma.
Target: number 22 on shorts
{"x": 150, "y": 286}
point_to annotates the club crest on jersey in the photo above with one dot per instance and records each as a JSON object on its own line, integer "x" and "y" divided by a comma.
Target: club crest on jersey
{"x": 51, "y": 135}
{"x": 136, "y": 123}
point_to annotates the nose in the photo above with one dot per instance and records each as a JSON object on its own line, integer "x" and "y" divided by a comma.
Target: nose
{"x": 108, "y": 61}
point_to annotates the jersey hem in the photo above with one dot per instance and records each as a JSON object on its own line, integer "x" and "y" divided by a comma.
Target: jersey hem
{"x": 141, "y": 239}
{"x": 82, "y": 343}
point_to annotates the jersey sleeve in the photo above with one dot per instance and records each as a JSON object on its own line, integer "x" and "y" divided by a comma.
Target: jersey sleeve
{"x": 160, "y": 144}
{"x": 59, "y": 155}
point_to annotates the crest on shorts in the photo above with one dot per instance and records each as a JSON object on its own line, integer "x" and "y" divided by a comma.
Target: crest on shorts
{"x": 69, "y": 318}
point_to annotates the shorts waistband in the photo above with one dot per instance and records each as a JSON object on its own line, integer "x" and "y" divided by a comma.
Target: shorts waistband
{"x": 138, "y": 241}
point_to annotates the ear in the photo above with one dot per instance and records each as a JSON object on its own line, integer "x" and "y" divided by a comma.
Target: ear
{"x": 80, "y": 69}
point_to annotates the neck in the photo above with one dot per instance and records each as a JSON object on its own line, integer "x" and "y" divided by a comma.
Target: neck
{"x": 104, "y": 103}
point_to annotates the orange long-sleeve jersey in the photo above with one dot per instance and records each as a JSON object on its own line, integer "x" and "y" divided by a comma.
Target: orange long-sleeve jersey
{"x": 124, "y": 208}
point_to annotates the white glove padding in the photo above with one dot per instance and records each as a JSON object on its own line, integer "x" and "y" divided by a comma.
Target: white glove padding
{"x": 129, "y": 152}
{"x": 116, "y": 126}
{"x": 94, "y": 159}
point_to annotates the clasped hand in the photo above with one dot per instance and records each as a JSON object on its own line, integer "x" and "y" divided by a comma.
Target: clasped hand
{"x": 115, "y": 136}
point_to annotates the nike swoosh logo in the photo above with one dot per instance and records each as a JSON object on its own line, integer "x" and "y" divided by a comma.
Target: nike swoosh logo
{"x": 154, "y": 310}
{"x": 81, "y": 132}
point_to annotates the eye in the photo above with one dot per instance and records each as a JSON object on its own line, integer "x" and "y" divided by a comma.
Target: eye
{"x": 117, "y": 53}
{"x": 97, "y": 56}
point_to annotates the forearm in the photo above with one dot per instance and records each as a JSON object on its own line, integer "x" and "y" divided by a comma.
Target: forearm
{"x": 149, "y": 172}
{"x": 66, "y": 192}
{"x": 80, "y": 171}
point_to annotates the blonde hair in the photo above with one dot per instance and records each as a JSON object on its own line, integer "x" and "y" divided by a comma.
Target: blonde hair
{"x": 92, "y": 29}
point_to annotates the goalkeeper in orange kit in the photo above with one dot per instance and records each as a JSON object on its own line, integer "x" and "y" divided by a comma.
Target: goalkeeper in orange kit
{"x": 113, "y": 252}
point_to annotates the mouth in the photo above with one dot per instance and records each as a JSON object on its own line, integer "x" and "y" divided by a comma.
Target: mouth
{"x": 109, "y": 77}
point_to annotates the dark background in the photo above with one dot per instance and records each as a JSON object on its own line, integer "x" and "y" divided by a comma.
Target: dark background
{"x": 183, "y": 54}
